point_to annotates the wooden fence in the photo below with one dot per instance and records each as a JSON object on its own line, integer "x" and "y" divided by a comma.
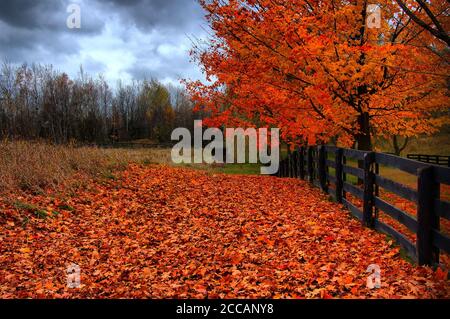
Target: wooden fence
{"x": 327, "y": 167}
{"x": 432, "y": 159}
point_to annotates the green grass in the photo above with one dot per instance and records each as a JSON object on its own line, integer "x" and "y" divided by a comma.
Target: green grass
{"x": 39, "y": 213}
{"x": 66, "y": 207}
{"x": 109, "y": 175}
{"x": 231, "y": 168}
{"x": 246, "y": 169}
{"x": 236, "y": 169}
{"x": 24, "y": 206}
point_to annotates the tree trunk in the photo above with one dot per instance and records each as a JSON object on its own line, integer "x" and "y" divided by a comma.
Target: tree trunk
{"x": 397, "y": 147}
{"x": 363, "y": 137}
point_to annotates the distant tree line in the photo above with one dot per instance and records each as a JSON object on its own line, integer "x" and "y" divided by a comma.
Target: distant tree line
{"x": 38, "y": 102}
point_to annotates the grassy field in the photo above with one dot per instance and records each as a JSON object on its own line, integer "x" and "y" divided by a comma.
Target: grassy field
{"x": 244, "y": 169}
{"x": 385, "y": 171}
{"x": 39, "y": 166}
{"x": 36, "y": 165}
{"x": 433, "y": 145}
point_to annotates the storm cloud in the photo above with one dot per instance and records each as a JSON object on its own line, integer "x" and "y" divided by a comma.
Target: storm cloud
{"x": 123, "y": 40}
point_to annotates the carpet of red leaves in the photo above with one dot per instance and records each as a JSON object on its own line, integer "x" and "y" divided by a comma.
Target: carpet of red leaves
{"x": 163, "y": 232}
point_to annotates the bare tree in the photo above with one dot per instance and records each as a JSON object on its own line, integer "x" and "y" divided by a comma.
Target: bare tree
{"x": 38, "y": 102}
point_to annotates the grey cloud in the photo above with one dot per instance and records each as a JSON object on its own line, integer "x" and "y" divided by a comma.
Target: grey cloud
{"x": 147, "y": 33}
{"x": 29, "y": 26}
{"x": 183, "y": 15}
{"x": 26, "y": 13}
{"x": 48, "y": 15}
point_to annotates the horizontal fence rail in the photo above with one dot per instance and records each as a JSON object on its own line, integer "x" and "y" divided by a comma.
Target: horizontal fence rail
{"x": 432, "y": 159}
{"x": 329, "y": 167}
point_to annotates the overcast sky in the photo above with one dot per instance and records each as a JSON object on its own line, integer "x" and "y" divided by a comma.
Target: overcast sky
{"x": 121, "y": 39}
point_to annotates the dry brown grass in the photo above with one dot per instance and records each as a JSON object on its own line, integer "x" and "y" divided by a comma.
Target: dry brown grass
{"x": 37, "y": 166}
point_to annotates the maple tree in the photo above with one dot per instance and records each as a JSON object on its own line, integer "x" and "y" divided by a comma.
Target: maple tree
{"x": 163, "y": 232}
{"x": 316, "y": 70}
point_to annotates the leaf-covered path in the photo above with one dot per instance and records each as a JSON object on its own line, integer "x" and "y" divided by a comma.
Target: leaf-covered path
{"x": 164, "y": 232}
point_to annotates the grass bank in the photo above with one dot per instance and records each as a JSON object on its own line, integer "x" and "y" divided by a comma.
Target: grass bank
{"x": 37, "y": 166}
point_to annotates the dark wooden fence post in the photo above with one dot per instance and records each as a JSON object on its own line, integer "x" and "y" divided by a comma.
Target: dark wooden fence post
{"x": 310, "y": 164}
{"x": 286, "y": 167}
{"x": 339, "y": 177}
{"x": 344, "y": 175}
{"x": 289, "y": 162}
{"x": 427, "y": 219}
{"x": 369, "y": 159}
{"x": 322, "y": 168}
{"x": 301, "y": 162}
{"x": 279, "y": 168}
{"x": 282, "y": 168}
{"x": 376, "y": 191}
{"x": 295, "y": 164}
{"x": 291, "y": 165}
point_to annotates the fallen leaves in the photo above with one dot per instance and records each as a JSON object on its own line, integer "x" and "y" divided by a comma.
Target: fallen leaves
{"x": 25, "y": 250}
{"x": 237, "y": 258}
{"x": 163, "y": 232}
